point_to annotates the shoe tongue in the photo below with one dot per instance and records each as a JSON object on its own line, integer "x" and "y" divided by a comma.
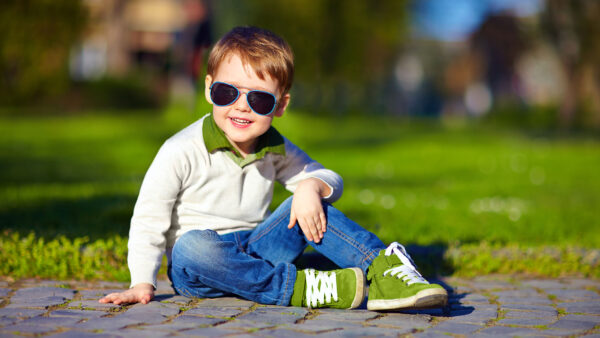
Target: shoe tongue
{"x": 393, "y": 260}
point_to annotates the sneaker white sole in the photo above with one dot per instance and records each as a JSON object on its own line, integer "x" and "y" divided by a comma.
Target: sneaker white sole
{"x": 423, "y": 299}
{"x": 359, "y": 296}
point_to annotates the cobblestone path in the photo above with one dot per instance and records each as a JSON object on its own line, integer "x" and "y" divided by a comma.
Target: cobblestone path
{"x": 497, "y": 305}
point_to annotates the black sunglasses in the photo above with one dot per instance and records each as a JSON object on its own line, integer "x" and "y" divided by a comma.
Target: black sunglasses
{"x": 224, "y": 94}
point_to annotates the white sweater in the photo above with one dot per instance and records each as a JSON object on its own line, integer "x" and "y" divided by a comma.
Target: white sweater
{"x": 187, "y": 187}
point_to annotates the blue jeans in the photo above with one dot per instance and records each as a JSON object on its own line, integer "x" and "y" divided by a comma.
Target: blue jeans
{"x": 257, "y": 264}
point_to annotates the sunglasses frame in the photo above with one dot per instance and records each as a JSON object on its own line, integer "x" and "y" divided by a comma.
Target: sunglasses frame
{"x": 238, "y": 96}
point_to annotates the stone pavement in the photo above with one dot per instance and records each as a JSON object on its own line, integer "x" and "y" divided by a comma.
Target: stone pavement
{"x": 495, "y": 305}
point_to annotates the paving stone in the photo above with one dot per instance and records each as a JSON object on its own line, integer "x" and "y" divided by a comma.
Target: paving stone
{"x": 207, "y": 332}
{"x": 475, "y": 317}
{"x": 164, "y": 287}
{"x": 508, "y": 331}
{"x": 176, "y": 299}
{"x": 4, "y": 292}
{"x": 520, "y": 293}
{"x": 196, "y": 321}
{"x": 43, "y": 302}
{"x": 282, "y": 333}
{"x": 153, "y": 307}
{"x": 430, "y": 334}
{"x": 581, "y": 307}
{"x": 143, "y": 318}
{"x": 81, "y": 334}
{"x": 456, "y": 328}
{"x": 576, "y": 283}
{"x": 366, "y": 332}
{"x": 7, "y": 321}
{"x": 530, "y": 314}
{"x": 95, "y": 294}
{"x": 492, "y": 285}
{"x": 474, "y": 298}
{"x": 276, "y": 316}
{"x": 226, "y": 302}
{"x": 542, "y": 308}
{"x": 51, "y": 321}
{"x": 217, "y": 312}
{"x": 354, "y": 315}
{"x": 138, "y": 332}
{"x": 91, "y": 304}
{"x": 432, "y": 312}
{"x": 402, "y": 320}
{"x": 585, "y": 318}
{"x": 20, "y": 313}
{"x": 25, "y": 328}
{"x": 105, "y": 323}
{"x": 523, "y": 300}
{"x": 42, "y": 292}
{"x": 316, "y": 325}
{"x": 112, "y": 285}
{"x": 77, "y": 313}
{"x": 245, "y": 324}
{"x": 570, "y": 295}
{"x": 544, "y": 284}
{"x": 527, "y": 321}
{"x": 572, "y": 324}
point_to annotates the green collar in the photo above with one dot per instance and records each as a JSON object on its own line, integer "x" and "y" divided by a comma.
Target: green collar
{"x": 215, "y": 139}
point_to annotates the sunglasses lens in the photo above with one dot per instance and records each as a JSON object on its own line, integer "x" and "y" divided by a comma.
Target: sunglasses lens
{"x": 223, "y": 94}
{"x": 261, "y": 102}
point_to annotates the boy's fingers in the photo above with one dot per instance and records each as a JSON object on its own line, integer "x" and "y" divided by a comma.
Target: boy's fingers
{"x": 292, "y": 220}
{"x": 323, "y": 222}
{"x": 305, "y": 231}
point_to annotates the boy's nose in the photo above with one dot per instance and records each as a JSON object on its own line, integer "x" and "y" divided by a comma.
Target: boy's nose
{"x": 242, "y": 102}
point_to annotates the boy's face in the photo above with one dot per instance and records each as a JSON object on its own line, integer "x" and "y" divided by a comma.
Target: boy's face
{"x": 241, "y": 125}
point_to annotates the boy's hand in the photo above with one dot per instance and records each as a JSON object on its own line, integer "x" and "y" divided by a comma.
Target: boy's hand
{"x": 140, "y": 293}
{"x": 307, "y": 209}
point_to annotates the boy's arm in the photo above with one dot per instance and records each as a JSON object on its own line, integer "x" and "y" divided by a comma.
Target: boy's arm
{"x": 307, "y": 209}
{"x": 151, "y": 220}
{"x": 311, "y": 183}
{"x": 297, "y": 166}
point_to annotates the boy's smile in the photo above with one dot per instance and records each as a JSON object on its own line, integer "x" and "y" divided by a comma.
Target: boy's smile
{"x": 241, "y": 125}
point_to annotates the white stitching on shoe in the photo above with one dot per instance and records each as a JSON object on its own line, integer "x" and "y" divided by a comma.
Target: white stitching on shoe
{"x": 407, "y": 272}
{"x": 327, "y": 290}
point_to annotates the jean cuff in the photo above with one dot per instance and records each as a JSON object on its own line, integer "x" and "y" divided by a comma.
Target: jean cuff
{"x": 288, "y": 288}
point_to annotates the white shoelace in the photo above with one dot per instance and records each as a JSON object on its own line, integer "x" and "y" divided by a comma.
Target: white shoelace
{"x": 407, "y": 272}
{"x": 320, "y": 288}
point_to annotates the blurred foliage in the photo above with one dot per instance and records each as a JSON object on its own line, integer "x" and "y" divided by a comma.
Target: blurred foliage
{"x": 129, "y": 91}
{"x": 35, "y": 40}
{"x": 573, "y": 29}
{"x": 344, "y": 50}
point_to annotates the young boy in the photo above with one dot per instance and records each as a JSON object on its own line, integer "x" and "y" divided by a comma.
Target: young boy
{"x": 204, "y": 201}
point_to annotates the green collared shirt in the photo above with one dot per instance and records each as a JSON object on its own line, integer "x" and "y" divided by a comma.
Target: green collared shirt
{"x": 215, "y": 139}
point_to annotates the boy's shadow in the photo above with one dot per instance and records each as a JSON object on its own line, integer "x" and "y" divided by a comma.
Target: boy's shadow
{"x": 430, "y": 261}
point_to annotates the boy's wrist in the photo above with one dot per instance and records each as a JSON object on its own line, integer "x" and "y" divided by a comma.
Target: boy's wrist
{"x": 319, "y": 185}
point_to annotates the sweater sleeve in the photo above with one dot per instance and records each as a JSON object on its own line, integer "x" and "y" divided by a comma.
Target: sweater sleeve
{"x": 152, "y": 213}
{"x": 297, "y": 166}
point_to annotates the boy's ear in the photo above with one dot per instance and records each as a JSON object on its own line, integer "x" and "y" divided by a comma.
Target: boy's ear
{"x": 207, "y": 83}
{"x": 282, "y": 105}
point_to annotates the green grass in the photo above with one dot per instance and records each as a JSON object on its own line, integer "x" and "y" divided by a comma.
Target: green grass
{"x": 469, "y": 198}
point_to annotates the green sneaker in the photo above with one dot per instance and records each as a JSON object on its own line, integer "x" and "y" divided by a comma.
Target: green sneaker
{"x": 396, "y": 283}
{"x": 341, "y": 289}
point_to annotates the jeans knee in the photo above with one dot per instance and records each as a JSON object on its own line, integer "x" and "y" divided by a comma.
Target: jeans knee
{"x": 195, "y": 246}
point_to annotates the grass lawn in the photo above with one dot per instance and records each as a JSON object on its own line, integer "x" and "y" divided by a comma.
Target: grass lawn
{"x": 467, "y": 198}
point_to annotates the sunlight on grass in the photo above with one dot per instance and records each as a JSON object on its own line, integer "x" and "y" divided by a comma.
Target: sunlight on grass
{"x": 73, "y": 181}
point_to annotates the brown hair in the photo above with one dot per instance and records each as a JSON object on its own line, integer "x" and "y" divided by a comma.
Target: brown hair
{"x": 264, "y": 51}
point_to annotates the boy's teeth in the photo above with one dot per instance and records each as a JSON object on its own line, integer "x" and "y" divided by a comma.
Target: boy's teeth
{"x": 240, "y": 121}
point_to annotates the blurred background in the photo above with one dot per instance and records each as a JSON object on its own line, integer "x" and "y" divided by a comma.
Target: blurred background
{"x": 535, "y": 59}
{"x": 459, "y": 126}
